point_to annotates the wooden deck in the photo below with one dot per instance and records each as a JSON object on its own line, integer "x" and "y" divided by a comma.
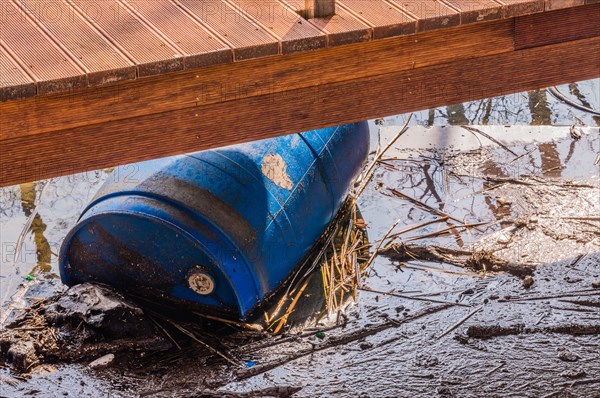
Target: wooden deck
{"x": 91, "y": 84}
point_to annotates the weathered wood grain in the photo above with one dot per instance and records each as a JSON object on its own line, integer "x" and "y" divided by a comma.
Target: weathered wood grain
{"x": 208, "y": 126}
{"x": 294, "y": 32}
{"x": 246, "y": 38}
{"x": 558, "y": 4}
{"x": 197, "y": 44}
{"x": 102, "y": 61}
{"x": 131, "y": 36}
{"x": 472, "y": 11}
{"x": 14, "y": 82}
{"x": 341, "y": 28}
{"x": 515, "y": 8}
{"x": 385, "y": 19}
{"x": 430, "y": 14}
{"x": 51, "y": 67}
{"x": 557, "y": 26}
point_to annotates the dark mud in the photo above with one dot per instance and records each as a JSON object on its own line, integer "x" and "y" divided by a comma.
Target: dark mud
{"x": 86, "y": 322}
{"x": 422, "y": 326}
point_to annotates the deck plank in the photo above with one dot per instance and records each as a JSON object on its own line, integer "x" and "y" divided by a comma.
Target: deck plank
{"x": 151, "y": 54}
{"x": 101, "y": 60}
{"x": 248, "y": 39}
{"x": 341, "y": 28}
{"x": 385, "y": 19}
{"x": 430, "y": 14}
{"x": 294, "y": 32}
{"x": 14, "y": 82}
{"x": 51, "y": 68}
{"x": 200, "y": 46}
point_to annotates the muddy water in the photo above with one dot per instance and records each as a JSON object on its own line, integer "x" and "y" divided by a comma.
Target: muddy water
{"x": 538, "y": 172}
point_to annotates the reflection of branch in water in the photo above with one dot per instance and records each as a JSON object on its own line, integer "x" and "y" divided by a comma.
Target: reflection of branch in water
{"x": 485, "y": 120}
{"x": 431, "y": 117}
{"x": 456, "y": 115}
{"x": 431, "y": 186}
{"x": 30, "y": 206}
{"x": 586, "y": 108}
{"x": 423, "y": 205}
{"x": 539, "y": 109}
{"x": 500, "y": 211}
{"x": 551, "y": 165}
{"x": 571, "y": 151}
{"x": 574, "y": 89}
{"x": 37, "y": 226}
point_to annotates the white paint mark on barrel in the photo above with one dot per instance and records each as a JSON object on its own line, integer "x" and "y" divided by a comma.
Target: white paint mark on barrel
{"x": 275, "y": 169}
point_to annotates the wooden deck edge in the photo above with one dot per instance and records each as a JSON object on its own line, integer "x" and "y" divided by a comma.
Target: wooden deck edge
{"x": 227, "y": 82}
{"x": 13, "y": 92}
{"x": 124, "y": 141}
{"x": 223, "y": 83}
{"x": 282, "y": 47}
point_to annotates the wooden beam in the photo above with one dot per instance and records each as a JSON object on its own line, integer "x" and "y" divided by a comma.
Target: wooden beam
{"x": 123, "y": 141}
{"x": 319, "y": 8}
{"x": 567, "y": 24}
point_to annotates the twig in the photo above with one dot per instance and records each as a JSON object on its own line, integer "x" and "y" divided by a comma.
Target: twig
{"x": 417, "y": 298}
{"x": 422, "y": 204}
{"x": 364, "y": 180}
{"x": 165, "y": 332}
{"x": 196, "y": 339}
{"x": 337, "y": 341}
{"x": 446, "y": 230}
{"x": 376, "y": 251}
{"x": 523, "y": 154}
{"x": 463, "y": 320}
{"x": 428, "y": 268}
{"x": 489, "y": 137}
{"x": 495, "y": 369}
{"x": 587, "y": 292}
{"x": 558, "y": 95}
{"x": 290, "y": 309}
{"x": 248, "y": 326}
{"x": 418, "y": 226}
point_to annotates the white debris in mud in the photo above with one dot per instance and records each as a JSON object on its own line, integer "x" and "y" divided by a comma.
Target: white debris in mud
{"x": 102, "y": 361}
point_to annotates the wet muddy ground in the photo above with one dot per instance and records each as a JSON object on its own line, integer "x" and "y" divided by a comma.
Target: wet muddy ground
{"x": 520, "y": 184}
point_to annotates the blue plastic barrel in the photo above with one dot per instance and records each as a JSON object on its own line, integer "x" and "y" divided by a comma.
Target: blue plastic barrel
{"x": 218, "y": 231}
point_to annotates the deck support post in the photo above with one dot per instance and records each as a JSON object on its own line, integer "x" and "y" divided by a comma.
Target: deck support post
{"x": 319, "y": 8}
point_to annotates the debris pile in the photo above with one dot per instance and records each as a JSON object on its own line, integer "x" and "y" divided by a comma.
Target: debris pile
{"x": 84, "y": 323}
